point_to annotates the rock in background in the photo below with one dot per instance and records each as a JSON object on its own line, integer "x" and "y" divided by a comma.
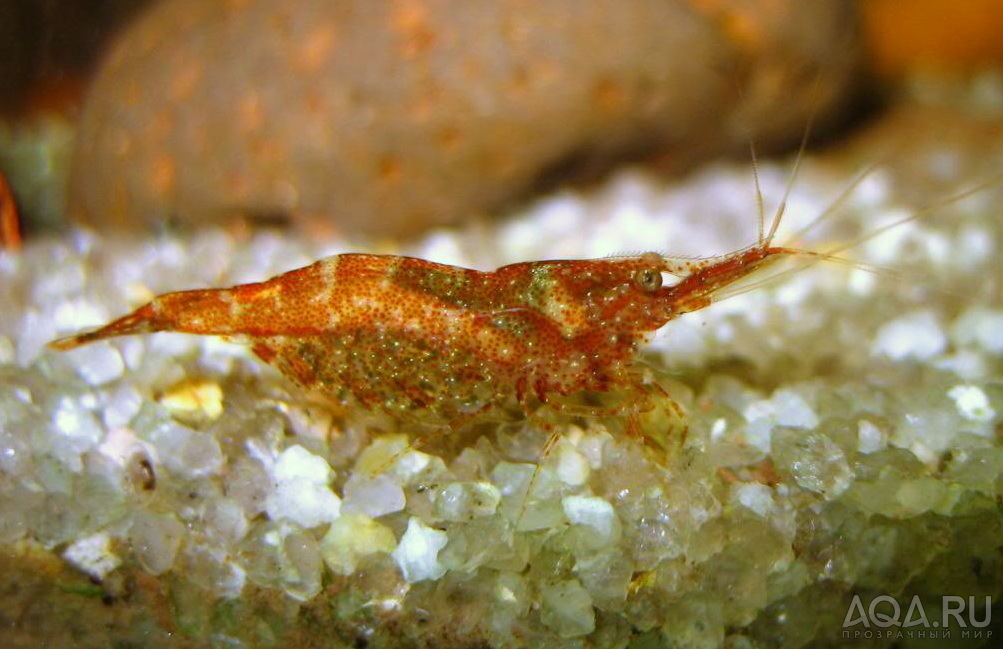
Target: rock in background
{"x": 391, "y": 117}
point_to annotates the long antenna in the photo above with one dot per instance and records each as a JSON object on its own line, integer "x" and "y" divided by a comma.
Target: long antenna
{"x": 928, "y": 209}
{"x": 809, "y": 123}
{"x": 831, "y": 255}
{"x": 760, "y": 210}
{"x": 838, "y": 202}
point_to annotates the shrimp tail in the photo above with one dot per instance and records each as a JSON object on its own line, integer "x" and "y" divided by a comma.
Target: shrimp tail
{"x": 142, "y": 320}
{"x": 197, "y": 312}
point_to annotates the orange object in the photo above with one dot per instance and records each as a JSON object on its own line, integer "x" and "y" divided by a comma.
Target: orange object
{"x": 10, "y": 221}
{"x": 402, "y": 334}
{"x": 906, "y": 35}
{"x": 405, "y": 335}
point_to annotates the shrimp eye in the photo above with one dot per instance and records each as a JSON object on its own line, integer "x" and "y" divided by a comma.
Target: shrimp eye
{"x": 648, "y": 279}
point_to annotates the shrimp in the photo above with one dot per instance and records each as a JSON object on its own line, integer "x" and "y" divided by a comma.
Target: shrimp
{"x": 409, "y": 336}
{"x": 404, "y": 334}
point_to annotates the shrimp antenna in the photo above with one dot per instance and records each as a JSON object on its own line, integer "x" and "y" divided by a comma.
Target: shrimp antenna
{"x": 920, "y": 213}
{"x": 814, "y": 257}
{"x": 838, "y": 202}
{"x": 760, "y": 210}
{"x": 809, "y": 124}
{"x": 765, "y": 239}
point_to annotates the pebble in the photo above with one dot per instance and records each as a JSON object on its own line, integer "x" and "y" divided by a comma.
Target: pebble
{"x": 301, "y": 563}
{"x": 754, "y": 496}
{"x": 916, "y": 336}
{"x": 567, "y": 609}
{"x": 297, "y": 462}
{"x": 79, "y": 429}
{"x": 870, "y": 439}
{"x": 93, "y": 555}
{"x": 815, "y": 461}
{"x": 594, "y": 512}
{"x": 352, "y": 537}
{"x": 462, "y": 501}
{"x": 155, "y": 539}
{"x": 375, "y": 497}
{"x": 972, "y": 403}
{"x": 303, "y": 502}
{"x": 417, "y": 554}
{"x": 393, "y": 117}
{"x": 981, "y": 326}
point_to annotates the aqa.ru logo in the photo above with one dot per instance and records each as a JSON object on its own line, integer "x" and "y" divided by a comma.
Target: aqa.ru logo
{"x": 884, "y": 613}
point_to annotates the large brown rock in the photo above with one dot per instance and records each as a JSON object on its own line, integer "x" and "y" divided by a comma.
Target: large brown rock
{"x": 388, "y": 116}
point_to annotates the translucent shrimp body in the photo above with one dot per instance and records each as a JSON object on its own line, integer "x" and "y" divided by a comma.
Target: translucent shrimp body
{"x": 402, "y": 334}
